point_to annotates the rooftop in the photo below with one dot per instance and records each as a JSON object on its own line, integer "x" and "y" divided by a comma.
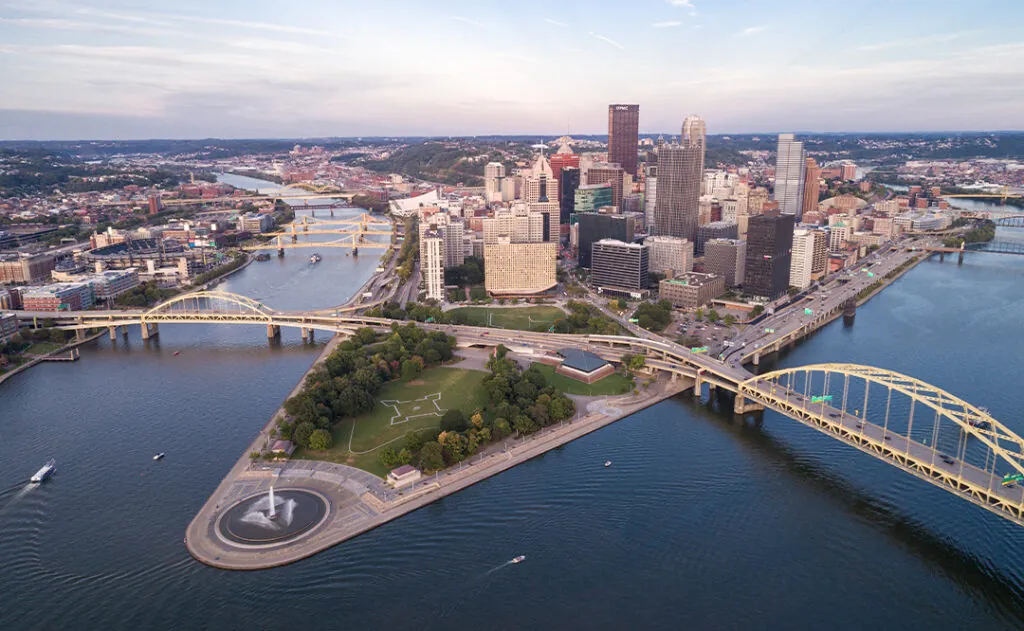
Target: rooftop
{"x": 581, "y": 360}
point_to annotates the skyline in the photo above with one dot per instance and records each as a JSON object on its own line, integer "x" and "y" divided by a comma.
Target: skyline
{"x": 118, "y": 69}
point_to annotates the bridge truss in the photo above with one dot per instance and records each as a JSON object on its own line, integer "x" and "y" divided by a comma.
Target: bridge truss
{"x": 914, "y": 426}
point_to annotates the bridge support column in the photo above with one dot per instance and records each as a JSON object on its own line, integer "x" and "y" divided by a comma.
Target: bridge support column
{"x": 307, "y": 335}
{"x": 757, "y": 359}
{"x": 113, "y": 333}
{"x": 698, "y": 386}
{"x": 332, "y": 211}
{"x": 742, "y": 406}
{"x": 942, "y": 257}
{"x": 273, "y": 330}
{"x": 960, "y": 258}
{"x": 80, "y": 334}
{"x": 280, "y": 252}
{"x": 149, "y": 330}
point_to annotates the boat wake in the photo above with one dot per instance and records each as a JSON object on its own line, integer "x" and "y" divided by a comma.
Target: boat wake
{"x": 11, "y": 496}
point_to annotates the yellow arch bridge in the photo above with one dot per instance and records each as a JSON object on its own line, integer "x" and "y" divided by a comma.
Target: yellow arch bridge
{"x": 907, "y": 423}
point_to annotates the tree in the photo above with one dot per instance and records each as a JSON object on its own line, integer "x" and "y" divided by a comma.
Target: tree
{"x": 388, "y": 458}
{"x": 431, "y": 457}
{"x": 713, "y": 316}
{"x": 453, "y": 421}
{"x": 757, "y": 310}
{"x": 410, "y": 369}
{"x": 302, "y": 433}
{"x": 729, "y": 319}
{"x": 699, "y": 315}
{"x": 413, "y": 442}
{"x": 57, "y": 336}
{"x": 320, "y": 440}
{"x": 477, "y": 420}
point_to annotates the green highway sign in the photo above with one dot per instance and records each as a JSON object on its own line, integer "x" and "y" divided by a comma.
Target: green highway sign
{"x": 769, "y": 330}
{"x": 699, "y": 349}
{"x": 808, "y": 311}
{"x": 820, "y": 399}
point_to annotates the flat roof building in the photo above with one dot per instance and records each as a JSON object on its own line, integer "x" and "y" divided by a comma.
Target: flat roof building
{"x": 592, "y": 227}
{"x": 769, "y": 251}
{"x": 726, "y": 258}
{"x": 670, "y": 255}
{"x": 693, "y": 290}
{"x": 619, "y": 268}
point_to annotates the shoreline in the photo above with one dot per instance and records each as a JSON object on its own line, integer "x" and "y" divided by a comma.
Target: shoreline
{"x": 40, "y": 359}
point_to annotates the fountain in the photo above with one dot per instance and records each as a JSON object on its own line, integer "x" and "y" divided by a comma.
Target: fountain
{"x": 272, "y": 517}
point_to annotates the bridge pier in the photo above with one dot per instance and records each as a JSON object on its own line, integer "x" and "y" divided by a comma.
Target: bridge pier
{"x": 80, "y": 334}
{"x": 273, "y": 330}
{"x": 757, "y": 359}
{"x": 149, "y": 330}
{"x": 960, "y": 257}
{"x": 742, "y": 406}
{"x": 307, "y": 335}
{"x": 113, "y": 333}
{"x": 332, "y": 211}
{"x": 942, "y": 257}
{"x": 280, "y": 252}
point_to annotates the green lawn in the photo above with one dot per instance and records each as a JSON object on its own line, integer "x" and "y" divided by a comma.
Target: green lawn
{"x": 610, "y": 385}
{"x": 42, "y": 348}
{"x": 538, "y": 318}
{"x": 458, "y": 389}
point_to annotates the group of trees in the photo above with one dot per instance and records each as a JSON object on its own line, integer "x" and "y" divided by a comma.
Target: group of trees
{"x": 654, "y": 316}
{"x": 981, "y": 233}
{"x": 235, "y": 262}
{"x": 410, "y": 250}
{"x": 145, "y": 295}
{"x": 518, "y": 401}
{"x": 585, "y": 318}
{"x": 471, "y": 272}
{"x": 412, "y": 311}
{"x": 347, "y": 383}
{"x": 371, "y": 204}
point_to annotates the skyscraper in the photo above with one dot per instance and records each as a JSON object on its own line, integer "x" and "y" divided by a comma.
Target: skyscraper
{"x": 432, "y": 263}
{"x": 769, "y": 253}
{"x": 592, "y": 227}
{"x": 812, "y": 173}
{"x": 726, "y": 258}
{"x": 680, "y": 172}
{"x": 562, "y": 159}
{"x": 610, "y": 174}
{"x": 623, "y": 133}
{"x": 802, "y": 260}
{"x": 570, "y": 181}
{"x": 789, "y": 175}
{"x": 619, "y": 268}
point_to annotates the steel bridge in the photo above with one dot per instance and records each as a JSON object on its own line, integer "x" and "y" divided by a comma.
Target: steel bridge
{"x": 911, "y": 425}
{"x": 1009, "y": 221}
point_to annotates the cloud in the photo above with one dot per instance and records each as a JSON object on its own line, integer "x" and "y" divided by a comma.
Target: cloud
{"x": 469, "y": 21}
{"x": 556, "y": 22}
{"x": 914, "y": 41}
{"x": 668, "y": 24}
{"x": 753, "y": 30}
{"x": 681, "y": 3}
{"x": 609, "y": 41}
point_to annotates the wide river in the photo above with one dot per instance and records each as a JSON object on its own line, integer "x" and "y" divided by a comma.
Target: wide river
{"x": 703, "y": 522}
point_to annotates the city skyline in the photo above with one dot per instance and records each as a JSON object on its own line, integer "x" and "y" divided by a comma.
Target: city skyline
{"x": 116, "y": 70}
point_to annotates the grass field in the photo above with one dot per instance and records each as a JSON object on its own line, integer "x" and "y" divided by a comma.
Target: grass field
{"x": 458, "y": 388}
{"x": 612, "y": 384}
{"x": 42, "y": 348}
{"x": 538, "y": 318}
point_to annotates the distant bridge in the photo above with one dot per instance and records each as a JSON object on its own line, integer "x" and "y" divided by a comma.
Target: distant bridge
{"x": 911, "y": 425}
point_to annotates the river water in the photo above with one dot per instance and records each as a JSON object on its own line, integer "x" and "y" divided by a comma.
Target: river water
{"x": 702, "y": 522}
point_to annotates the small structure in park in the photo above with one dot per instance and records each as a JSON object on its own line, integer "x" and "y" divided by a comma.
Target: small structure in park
{"x": 282, "y": 448}
{"x": 583, "y": 365}
{"x": 403, "y": 476}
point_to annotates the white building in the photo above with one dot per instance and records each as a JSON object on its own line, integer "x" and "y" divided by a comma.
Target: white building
{"x": 839, "y": 234}
{"x": 669, "y": 254}
{"x": 432, "y": 263}
{"x": 410, "y": 206}
{"x": 801, "y": 264}
{"x": 650, "y": 196}
{"x": 790, "y": 168}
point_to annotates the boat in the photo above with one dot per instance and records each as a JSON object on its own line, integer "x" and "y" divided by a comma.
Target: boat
{"x": 518, "y": 559}
{"x": 314, "y": 258}
{"x": 45, "y": 472}
{"x": 176, "y": 353}
{"x": 262, "y": 256}
{"x": 159, "y": 456}
{"x": 607, "y": 463}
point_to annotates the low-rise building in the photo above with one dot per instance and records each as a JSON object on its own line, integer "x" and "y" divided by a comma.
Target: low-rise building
{"x": 58, "y": 297}
{"x": 8, "y": 326}
{"x": 110, "y": 284}
{"x": 403, "y": 476}
{"x": 670, "y": 255}
{"x": 726, "y": 258}
{"x": 15, "y": 268}
{"x": 255, "y": 223}
{"x": 693, "y": 290}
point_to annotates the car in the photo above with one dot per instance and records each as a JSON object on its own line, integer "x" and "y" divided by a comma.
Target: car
{"x": 834, "y": 414}
{"x": 946, "y": 459}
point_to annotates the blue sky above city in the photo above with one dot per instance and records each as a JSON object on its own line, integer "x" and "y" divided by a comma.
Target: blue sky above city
{"x": 137, "y": 69}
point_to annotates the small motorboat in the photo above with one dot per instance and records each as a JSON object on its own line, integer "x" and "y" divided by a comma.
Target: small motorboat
{"x": 518, "y": 559}
{"x": 45, "y": 472}
{"x": 176, "y": 353}
{"x": 159, "y": 456}
{"x": 315, "y": 258}
{"x": 607, "y": 463}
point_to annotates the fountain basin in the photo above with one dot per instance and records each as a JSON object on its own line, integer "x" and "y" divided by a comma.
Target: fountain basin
{"x": 250, "y": 522}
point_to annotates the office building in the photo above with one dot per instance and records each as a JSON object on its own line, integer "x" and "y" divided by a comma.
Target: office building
{"x": 518, "y": 269}
{"x": 607, "y": 174}
{"x": 714, "y": 230}
{"x": 8, "y": 326}
{"x": 801, "y": 264}
{"x": 16, "y": 268}
{"x": 789, "y": 175}
{"x": 256, "y": 223}
{"x": 838, "y": 234}
{"x": 109, "y": 284}
{"x": 669, "y": 255}
{"x": 819, "y": 260}
{"x": 432, "y": 263}
{"x": 494, "y": 182}
{"x": 680, "y": 172}
{"x": 812, "y": 178}
{"x": 619, "y": 268}
{"x": 692, "y": 290}
{"x": 593, "y": 227}
{"x": 650, "y": 195}
{"x": 454, "y": 250}
{"x": 769, "y": 250}
{"x": 848, "y": 171}
{"x": 569, "y": 182}
{"x": 726, "y": 258}
{"x": 563, "y": 159}
{"x": 591, "y": 197}
{"x": 623, "y": 134}
{"x": 539, "y": 183}
{"x": 516, "y": 223}
{"x": 58, "y": 297}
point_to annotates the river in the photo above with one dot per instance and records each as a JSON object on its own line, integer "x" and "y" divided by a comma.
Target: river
{"x": 702, "y": 522}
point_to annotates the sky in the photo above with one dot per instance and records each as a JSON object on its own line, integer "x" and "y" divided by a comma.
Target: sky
{"x": 123, "y": 69}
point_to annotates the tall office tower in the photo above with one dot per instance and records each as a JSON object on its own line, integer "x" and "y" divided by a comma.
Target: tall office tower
{"x": 589, "y": 198}
{"x": 675, "y": 209}
{"x": 670, "y": 254}
{"x": 494, "y": 177}
{"x": 619, "y": 268}
{"x": 838, "y": 234}
{"x": 695, "y": 132}
{"x": 570, "y": 181}
{"x": 592, "y": 227}
{"x": 714, "y": 230}
{"x": 650, "y": 195}
{"x": 802, "y": 262}
{"x": 812, "y": 175}
{"x": 726, "y": 258}
{"x": 432, "y": 263}
{"x": 789, "y": 175}
{"x": 819, "y": 263}
{"x": 623, "y": 134}
{"x": 539, "y": 184}
{"x": 607, "y": 174}
{"x": 769, "y": 251}
{"x": 563, "y": 159}
{"x": 454, "y": 250}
